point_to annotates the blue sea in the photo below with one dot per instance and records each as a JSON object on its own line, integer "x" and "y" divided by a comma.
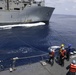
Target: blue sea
{"x": 31, "y": 41}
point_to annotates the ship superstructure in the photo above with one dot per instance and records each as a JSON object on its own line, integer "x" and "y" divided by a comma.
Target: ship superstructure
{"x": 24, "y": 11}
{"x": 19, "y": 4}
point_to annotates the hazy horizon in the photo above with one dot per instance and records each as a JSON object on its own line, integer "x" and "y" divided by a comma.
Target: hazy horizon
{"x": 67, "y": 7}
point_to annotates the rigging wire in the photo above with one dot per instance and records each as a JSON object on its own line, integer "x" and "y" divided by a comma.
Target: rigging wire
{"x": 28, "y": 44}
{"x": 63, "y": 39}
{"x": 41, "y": 55}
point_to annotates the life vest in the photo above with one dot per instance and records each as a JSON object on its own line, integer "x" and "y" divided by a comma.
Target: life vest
{"x": 72, "y": 68}
{"x": 63, "y": 53}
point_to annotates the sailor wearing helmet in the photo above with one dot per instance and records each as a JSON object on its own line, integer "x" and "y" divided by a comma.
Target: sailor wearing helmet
{"x": 51, "y": 56}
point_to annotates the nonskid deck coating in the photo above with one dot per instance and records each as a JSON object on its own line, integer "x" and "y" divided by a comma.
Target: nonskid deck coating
{"x": 39, "y": 69}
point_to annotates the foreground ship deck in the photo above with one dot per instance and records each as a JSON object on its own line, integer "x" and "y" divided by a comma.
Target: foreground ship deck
{"x": 39, "y": 69}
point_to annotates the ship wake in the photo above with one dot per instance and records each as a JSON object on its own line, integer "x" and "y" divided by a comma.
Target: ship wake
{"x": 21, "y": 25}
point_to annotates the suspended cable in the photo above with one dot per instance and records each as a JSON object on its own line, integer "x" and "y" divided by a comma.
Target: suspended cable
{"x": 28, "y": 44}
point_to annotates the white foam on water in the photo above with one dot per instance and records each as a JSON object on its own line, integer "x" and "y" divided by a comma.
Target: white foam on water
{"x": 23, "y": 50}
{"x": 21, "y": 25}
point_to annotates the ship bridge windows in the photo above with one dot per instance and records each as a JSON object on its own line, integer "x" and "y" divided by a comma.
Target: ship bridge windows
{"x": 16, "y": 8}
{"x": 1, "y": 8}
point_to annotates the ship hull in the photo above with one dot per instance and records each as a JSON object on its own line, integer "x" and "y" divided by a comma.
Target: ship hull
{"x": 27, "y": 15}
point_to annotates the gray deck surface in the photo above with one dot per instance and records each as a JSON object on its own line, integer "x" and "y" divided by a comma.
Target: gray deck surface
{"x": 39, "y": 69}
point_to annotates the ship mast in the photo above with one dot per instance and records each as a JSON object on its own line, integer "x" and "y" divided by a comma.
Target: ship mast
{"x": 7, "y": 4}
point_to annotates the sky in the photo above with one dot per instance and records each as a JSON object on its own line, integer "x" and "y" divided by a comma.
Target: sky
{"x": 62, "y": 6}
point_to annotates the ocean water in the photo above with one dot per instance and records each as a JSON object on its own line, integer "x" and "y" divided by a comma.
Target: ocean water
{"x": 35, "y": 40}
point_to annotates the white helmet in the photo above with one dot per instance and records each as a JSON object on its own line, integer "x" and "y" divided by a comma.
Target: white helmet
{"x": 51, "y": 50}
{"x": 74, "y": 62}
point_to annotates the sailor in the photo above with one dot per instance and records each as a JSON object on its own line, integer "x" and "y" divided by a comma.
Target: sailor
{"x": 60, "y": 50}
{"x": 62, "y": 56}
{"x": 61, "y": 47}
{"x": 72, "y": 68}
{"x": 68, "y": 52}
{"x": 51, "y": 56}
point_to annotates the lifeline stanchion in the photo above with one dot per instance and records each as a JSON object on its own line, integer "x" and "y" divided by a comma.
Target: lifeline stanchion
{"x": 14, "y": 62}
{"x": 1, "y": 66}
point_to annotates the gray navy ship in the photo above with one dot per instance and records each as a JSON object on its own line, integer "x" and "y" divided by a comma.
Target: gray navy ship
{"x": 24, "y": 11}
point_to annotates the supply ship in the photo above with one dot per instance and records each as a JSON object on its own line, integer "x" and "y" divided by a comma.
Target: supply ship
{"x": 24, "y": 11}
